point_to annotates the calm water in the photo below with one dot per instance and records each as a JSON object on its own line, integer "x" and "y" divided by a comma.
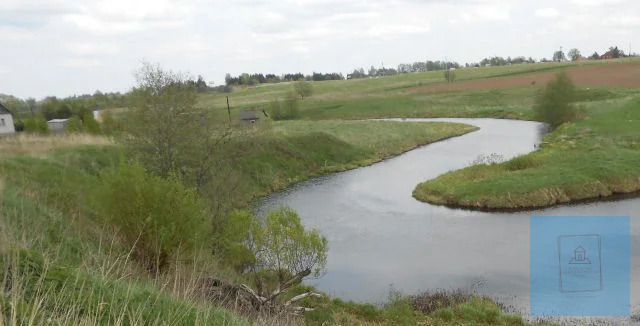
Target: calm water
{"x": 380, "y": 236}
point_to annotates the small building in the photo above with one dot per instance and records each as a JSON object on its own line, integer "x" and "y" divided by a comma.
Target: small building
{"x": 249, "y": 117}
{"x": 6, "y": 121}
{"x": 57, "y": 125}
{"x": 97, "y": 115}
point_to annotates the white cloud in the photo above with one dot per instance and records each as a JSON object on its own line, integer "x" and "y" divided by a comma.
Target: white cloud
{"x": 212, "y": 38}
{"x": 547, "y": 12}
{"x": 92, "y": 48}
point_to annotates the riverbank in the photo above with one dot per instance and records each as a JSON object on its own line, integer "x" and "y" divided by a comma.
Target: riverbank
{"x": 65, "y": 264}
{"x": 288, "y": 152}
{"x": 596, "y": 157}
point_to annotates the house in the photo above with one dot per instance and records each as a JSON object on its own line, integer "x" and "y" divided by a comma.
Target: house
{"x": 57, "y": 125}
{"x": 249, "y": 117}
{"x": 608, "y": 55}
{"x": 6, "y": 121}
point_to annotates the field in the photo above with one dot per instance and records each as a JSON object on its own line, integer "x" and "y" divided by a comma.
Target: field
{"x": 500, "y": 92}
{"x": 596, "y": 157}
{"x": 66, "y": 265}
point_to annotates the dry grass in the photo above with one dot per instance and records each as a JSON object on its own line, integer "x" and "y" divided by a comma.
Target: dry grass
{"x": 26, "y": 144}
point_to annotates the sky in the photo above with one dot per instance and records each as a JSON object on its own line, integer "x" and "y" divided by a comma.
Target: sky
{"x": 67, "y": 47}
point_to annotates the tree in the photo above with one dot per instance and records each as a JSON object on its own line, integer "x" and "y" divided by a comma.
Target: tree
{"x": 287, "y": 109}
{"x": 553, "y": 103}
{"x": 303, "y": 89}
{"x": 167, "y": 132}
{"x": 574, "y": 54}
{"x": 594, "y": 56}
{"x": 559, "y": 56}
{"x": 615, "y": 52}
{"x": 283, "y": 248}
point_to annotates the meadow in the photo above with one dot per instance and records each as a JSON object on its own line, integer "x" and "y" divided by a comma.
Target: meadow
{"x": 63, "y": 263}
{"x": 595, "y": 157}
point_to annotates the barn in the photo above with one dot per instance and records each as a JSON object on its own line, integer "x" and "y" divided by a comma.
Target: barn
{"x": 6, "y": 121}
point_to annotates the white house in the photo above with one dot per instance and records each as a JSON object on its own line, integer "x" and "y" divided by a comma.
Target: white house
{"x": 6, "y": 121}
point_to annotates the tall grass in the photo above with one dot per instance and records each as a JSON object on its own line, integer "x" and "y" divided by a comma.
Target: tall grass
{"x": 38, "y": 144}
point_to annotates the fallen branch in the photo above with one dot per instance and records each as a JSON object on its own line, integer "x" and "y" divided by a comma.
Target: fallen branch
{"x": 302, "y": 296}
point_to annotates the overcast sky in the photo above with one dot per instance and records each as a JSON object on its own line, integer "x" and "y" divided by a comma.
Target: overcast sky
{"x": 66, "y": 47}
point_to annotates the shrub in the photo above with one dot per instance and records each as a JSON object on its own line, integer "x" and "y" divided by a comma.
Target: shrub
{"x": 74, "y": 125}
{"x": 155, "y": 216}
{"x": 36, "y": 124}
{"x": 287, "y": 109}
{"x": 90, "y": 124}
{"x": 450, "y": 75}
{"x": 303, "y": 88}
{"x": 553, "y": 103}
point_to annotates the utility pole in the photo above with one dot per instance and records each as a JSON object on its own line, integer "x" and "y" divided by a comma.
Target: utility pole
{"x": 229, "y": 111}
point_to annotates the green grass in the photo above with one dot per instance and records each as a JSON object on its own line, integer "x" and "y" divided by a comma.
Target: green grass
{"x": 60, "y": 263}
{"x": 293, "y": 151}
{"x": 67, "y": 265}
{"x": 392, "y": 96}
{"x": 595, "y": 157}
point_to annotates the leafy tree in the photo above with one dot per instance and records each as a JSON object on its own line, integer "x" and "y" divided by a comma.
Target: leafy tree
{"x": 553, "y": 103}
{"x": 559, "y": 56}
{"x": 574, "y": 54}
{"x": 303, "y": 89}
{"x": 594, "y": 56}
{"x": 167, "y": 132}
{"x": 615, "y": 52}
{"x": 283, "y": 248}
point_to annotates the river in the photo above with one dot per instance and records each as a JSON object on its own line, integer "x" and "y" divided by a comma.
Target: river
{"x": 381, "y": 237}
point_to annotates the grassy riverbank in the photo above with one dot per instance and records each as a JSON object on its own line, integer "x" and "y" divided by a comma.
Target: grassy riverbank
{"x": 596, "y": 157}
{"x": 61, "y": 262}
{"x": 286, "y": 152}
{"x": 66, "y": 265}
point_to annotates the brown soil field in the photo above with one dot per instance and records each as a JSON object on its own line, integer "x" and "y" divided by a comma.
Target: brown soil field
{"x": 606, "y": 75}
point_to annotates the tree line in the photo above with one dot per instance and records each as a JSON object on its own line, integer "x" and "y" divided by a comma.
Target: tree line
{"x": 260, "y": 78}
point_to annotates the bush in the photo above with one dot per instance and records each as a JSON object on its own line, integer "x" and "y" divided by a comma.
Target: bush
{"x": 36, "y": 124}
{"x": 303, "y": 88}
{"x": 288, "y": 109}
{"x": 74, "y": 125}
{"x": 553, "y": 103}
{"x": 155, "y": 216}
{"x": 450, "y": 75}
{"x": 90, "y": 124}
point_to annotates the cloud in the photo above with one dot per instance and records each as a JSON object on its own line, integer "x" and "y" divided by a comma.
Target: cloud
{"x": 486, "y": 13}
{"x": 622, "y": 21}
{"x": 96, "y": 44}
{"x": 547, "y": 12}
{"x": 80, "y": 63}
